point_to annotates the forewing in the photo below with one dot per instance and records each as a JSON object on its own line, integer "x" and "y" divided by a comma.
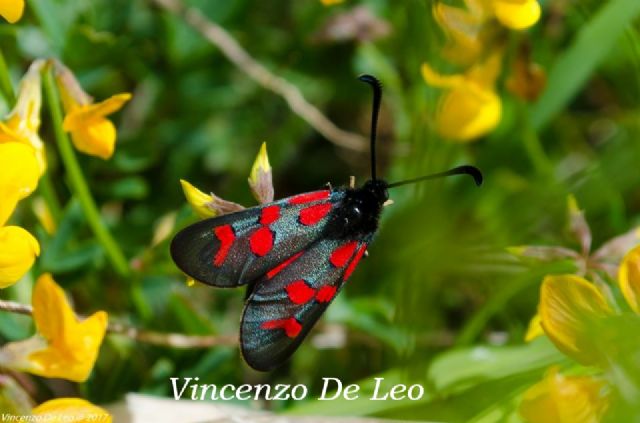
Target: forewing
{"x": 287, "y": 302}
{"x": 239, "y": 248}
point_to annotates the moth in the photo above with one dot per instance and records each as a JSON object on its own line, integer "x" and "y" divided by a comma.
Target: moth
{"x": 294, "y": 254}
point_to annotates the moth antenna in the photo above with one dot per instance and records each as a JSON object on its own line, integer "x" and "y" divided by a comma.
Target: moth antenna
{"x": 377, "y": 98}
{"x": 472, "y": 171}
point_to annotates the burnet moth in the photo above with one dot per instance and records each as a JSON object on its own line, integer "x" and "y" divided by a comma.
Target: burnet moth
{"x": 294, "y": 254}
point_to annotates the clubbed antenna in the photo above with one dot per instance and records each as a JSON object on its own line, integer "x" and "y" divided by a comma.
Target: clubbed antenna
{"x": 377, "y": 98}
{"x": 472, "y": 171}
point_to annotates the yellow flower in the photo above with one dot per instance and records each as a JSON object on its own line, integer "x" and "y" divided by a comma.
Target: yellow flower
{"x": 629, "y": 279}
{"x": 71, "y": 410}
{"x": 570, "y": 309}
{"x": 64, "y": 347}
{"x": 11, "y": 10}
{"x": 42, "y": 212}
{"x": 331, "y": 2}
{"x": 470, "y": 108}
{"x": 535, "y": 328}
{"x": 18, "y": 251}
{"x": 471, "y": 30}
{"x": 23, "y": 122}
{"x": 517, "y": 14}
{"x": 563, "y": 399}
{"x": 19, "y": 176}
{"x": 260, "y": 178}
{"x": 464, "y": 28}
{"x": 198, "y": 200}
{"x": 207, "y": 205}
{"x": 91, "y": 132}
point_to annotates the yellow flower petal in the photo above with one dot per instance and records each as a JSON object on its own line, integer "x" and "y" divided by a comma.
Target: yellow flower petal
{"x": 331, "y": 2}
{"x": 261, "y": 164}
{"x": 570, "y": 309}
{"x": 23, "y": 122}
{"x": 467, "y": 113}
{"x": 517, "y": 14}
{"x": 629, "y": 278}
{"x": 18, "y": 251}
{"x": 19, "y": 176}
{"x": 96, "y": 138}
{"x": 12, "y": 10}
{"x": 71, "y": 410}
{"x": 535, "y": 329}
{"x": 438, "y": 80}
{"x": 198, "y": 200}
{"x": 84, "y": 113}
{"x": 42, "y": 212}
{"x": 260, "y": 178}
{"x": 72, "y": 345}
{"x": 484, "y": 74}
{"x": 469, "y": 108}
{"x": 563, "y": 399}
{"x": 463, "y": 30}
{"x": 91, "y": 132}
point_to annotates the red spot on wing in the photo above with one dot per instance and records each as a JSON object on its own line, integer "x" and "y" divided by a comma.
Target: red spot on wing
{"x": 271, "y": 273}
{"x": 269, "y": 215}
{"x": 299, "y": 292}
{"x": 313, "y": 214}
{"x": 342, "y": 254}
{"x": 261, "y": 241}
{"x": 226, "y": 237}
{"x": 309, "y": 197}
{"x": 354, "y": 262}
{"x": 291, "y": 326}
{"x": 326, "y": 294}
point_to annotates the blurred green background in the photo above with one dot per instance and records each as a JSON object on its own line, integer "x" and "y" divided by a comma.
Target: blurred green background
{"x": 439, "y": 301}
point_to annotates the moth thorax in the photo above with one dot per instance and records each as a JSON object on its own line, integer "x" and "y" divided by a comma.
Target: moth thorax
{"x": 359, "y": 213}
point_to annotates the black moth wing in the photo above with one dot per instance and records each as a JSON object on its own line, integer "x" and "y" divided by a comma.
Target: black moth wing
{"x": 284, "y": 306}
{"x": 239, "y": 248}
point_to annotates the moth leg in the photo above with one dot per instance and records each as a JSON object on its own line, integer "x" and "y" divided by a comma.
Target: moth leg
{"x": 387, "y": 203}
{"x": 328, "y": 185}
{"x": 352, "y": 182}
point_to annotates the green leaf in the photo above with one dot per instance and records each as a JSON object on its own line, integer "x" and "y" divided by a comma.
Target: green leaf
{"x": 57, "y": 18}
{"x": 62, "y": 253}
{"x": 459, "y": 369}
{"x": 591, "y": 46}
{"x": 371, "y": 316}
{"x": 132, "y": 187}
{"x": 488, "y": 402}
{"x": 455, "y": 378}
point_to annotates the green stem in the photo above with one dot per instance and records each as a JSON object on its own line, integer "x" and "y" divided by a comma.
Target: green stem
{"x": 534, "y": 148}
{"x": 78, "y": 183}
{"x": 536, "y": 153}
{"x": 5, "y": 81}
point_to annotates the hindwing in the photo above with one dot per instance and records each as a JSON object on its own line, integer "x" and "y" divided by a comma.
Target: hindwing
{"x": 287, "y": 302}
